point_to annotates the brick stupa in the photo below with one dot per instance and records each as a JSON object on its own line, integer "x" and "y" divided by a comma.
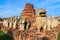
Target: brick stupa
{"x": 28, "y": 12}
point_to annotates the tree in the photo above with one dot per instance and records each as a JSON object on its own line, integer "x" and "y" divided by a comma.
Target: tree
{"x": 1, "y": 19}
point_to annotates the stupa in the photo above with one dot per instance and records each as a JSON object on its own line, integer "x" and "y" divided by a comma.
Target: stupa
{"x": 28, "y": 12}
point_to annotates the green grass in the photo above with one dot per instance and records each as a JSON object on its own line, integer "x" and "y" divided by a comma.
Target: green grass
{"x": 4, "y": 36}
{"x": 1, "y": 33}
{"x": 58, "y": 38}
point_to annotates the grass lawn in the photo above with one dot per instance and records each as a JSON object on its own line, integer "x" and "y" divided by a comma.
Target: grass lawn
{"x": 58, "y": 38}
{"x": 4, "y": 36}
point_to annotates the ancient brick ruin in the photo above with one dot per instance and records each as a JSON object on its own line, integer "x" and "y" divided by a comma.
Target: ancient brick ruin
{"x": 31, "y": 25}
{"x": 28, "y": 12}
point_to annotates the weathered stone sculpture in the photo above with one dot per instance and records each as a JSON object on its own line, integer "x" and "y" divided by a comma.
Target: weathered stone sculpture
{"x": 41, "y": 19}
{"x": 15, "y": 17}
{"x": 10, "y": 22}
{"x": 48, "y": 24}
{"x": 5, "y": 22}
{"x": 54, "y": 22}
{"x": 14, "y": 24}
{"x": 21, "y": 25}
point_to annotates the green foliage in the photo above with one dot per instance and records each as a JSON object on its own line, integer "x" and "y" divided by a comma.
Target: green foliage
{"x": 1, "y": 19}
{"x": 1, "y": 33}
{"x": 58, "y": 38}
{"x": 4, "y": 36}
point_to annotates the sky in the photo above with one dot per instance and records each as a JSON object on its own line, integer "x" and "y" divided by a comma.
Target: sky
{"x": 14, "y": 7}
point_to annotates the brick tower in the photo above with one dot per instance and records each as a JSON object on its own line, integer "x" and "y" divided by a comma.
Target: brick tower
{"x": 28, "y": 12}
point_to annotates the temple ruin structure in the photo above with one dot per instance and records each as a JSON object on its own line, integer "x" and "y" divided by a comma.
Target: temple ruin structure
{"x": 31, "y": 25}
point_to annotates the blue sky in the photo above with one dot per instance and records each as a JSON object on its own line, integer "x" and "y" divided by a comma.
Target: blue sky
{"x": 14, "y": 7}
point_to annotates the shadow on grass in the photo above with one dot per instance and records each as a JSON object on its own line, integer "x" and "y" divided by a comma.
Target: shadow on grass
{"x": 5, "y": 37}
